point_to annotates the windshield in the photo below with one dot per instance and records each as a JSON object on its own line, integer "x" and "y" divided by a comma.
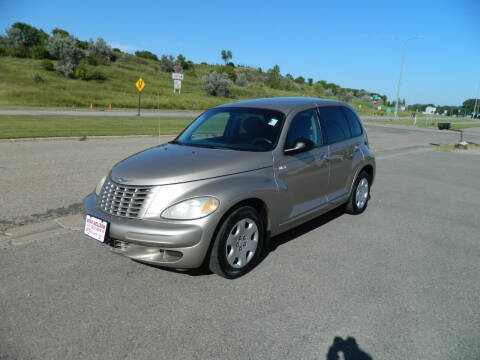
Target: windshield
{"x": 246, "y": 129}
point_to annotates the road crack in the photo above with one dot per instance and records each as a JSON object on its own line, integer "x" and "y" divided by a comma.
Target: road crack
{"x": 50, "y": 214}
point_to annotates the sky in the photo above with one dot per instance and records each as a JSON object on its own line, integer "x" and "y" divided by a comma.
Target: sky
{"x": 350, "y": 43}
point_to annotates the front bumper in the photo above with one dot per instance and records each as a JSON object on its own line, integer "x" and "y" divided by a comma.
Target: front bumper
{"x": 177, "y": 244}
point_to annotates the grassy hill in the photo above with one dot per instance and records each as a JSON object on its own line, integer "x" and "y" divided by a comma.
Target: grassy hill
{"x": 25, "y": 83}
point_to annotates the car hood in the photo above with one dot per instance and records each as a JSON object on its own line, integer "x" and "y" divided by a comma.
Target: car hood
{"x": 172, "y": 163}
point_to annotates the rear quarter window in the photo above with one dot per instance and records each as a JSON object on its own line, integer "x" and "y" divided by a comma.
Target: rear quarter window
{"x": 354, "y": 122}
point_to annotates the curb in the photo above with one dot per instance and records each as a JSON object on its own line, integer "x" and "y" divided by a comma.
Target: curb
{"x": 82, "y": 138}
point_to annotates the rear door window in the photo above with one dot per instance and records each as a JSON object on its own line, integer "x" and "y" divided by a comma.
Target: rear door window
{"x": 335, "y": 124}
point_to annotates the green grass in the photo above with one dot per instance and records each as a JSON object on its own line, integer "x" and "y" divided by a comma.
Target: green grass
{"x": 18, "y": 89}
{"x": 450, "y": 148}
{"x": 425, "y": 122}
{"x": 31, "y": 126}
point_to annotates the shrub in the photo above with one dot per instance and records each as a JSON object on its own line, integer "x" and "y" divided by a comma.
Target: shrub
{"x": 216, "y": 84}
{"x": 38, "y": 52}
{"x": 146, "y": 55}
{"x": 47, "y": 65}
{"x": 97, "y": 75}
{"x": 66, "y": 67}
{"x": 81, "y": 71}
{"x": 3, "y": 51}
{"x": 166, "y": 63}
{"x": 64, "y": 48}
{"x": 242, "y": 79}
{"x": 37, "y": 78}
{"x": 227, "y": 69}
{"x": 99, "y": 50}
{"x": 319, "y": 90}
{"x": 345, "y": 95}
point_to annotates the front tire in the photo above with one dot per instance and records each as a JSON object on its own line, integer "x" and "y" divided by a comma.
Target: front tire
{"x": 358, "y": 201}
{"x": 238, "y": 244}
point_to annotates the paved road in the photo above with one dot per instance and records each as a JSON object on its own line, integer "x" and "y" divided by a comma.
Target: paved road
{"x": 47, "y": 179}
{"x": 401, "y": 279}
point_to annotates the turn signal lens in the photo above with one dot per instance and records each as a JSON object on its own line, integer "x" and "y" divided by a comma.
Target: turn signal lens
{"x": 210, "y": 206}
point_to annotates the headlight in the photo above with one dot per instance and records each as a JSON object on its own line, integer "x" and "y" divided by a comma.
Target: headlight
{"x": 191, "y": 209}
{"x": 99, "y": 186}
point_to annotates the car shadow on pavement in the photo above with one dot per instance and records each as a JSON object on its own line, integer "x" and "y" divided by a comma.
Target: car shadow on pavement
{"x": 302, "y": 229}
{"x": 348, "y": 348}
{"x": 273, "y": 244}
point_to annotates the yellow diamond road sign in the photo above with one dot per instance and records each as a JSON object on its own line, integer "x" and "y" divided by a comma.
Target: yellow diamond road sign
{"x": 140, "y": 84}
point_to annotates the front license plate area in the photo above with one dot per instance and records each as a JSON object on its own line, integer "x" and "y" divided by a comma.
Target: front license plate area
{"x": 96, "y": 228}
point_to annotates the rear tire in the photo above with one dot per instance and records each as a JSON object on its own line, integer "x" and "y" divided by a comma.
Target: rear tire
{"x": 238, "y": 244}
{"x": 358, "y": 201}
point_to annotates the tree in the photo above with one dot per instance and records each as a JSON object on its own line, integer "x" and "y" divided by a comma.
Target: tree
{"x": 310, "y": 81}
{"x": 300, "y": 80}
{"x": 167, "y": 63}
{"x": 182, "y": 61}
{"x": 216, "y": 84}
{"x": 25, "y": 41}
{"x": 273, "y": 77}
{"x": 29, "y": 35}
{"x": 469, "y": 104}
{"x": 99, "y": 49}
{"x": 226, "y": 55}
{"x": 66, "y": 51}
{"x": 60, "y": 32}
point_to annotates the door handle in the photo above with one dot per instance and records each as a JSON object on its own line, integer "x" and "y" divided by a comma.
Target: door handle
{"x": 356, "y": 148}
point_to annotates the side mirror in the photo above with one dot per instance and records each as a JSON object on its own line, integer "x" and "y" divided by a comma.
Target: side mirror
{"x": 301, "y": 145}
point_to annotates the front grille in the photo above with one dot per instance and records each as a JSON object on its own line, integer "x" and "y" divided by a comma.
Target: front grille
{"x": 124, "y": 201}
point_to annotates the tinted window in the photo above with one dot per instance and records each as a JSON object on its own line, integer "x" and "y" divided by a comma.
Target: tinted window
{"x": 235, "y": 129}
{"x": 304, "y": 126}
{"x": 355, "y": 126}
{"x": 335, "y": 122}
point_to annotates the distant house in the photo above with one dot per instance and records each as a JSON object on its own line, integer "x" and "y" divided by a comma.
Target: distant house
{"x": 430, "y": 110}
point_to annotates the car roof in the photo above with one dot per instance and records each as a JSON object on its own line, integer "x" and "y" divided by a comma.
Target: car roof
{"x": 284, "y": 104}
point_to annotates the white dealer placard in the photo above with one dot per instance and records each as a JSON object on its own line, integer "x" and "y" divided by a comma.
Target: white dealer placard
{"x": 95, "y": 228}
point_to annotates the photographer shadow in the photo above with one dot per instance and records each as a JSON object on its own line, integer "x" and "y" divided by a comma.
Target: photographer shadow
{"x": 348, "y": 348}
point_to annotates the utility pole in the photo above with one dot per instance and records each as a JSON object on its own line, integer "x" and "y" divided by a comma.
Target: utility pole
{"x": 404, "y": 47}
{"x": 476, "y": 100}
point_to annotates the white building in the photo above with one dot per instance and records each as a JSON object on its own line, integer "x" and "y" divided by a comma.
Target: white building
{"x": 430, "y": 110}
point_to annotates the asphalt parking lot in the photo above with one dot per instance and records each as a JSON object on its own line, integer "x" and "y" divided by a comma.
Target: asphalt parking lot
{"x": 401, "y": 280}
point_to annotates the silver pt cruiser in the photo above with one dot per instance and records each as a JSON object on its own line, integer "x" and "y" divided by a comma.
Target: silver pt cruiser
{"x": 237, "y": 175}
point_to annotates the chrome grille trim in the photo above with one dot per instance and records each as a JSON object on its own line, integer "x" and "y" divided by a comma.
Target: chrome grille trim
{"x": 124, "y": 201}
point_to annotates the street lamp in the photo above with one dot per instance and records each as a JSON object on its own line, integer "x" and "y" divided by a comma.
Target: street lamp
{"x": 401, "y": 71}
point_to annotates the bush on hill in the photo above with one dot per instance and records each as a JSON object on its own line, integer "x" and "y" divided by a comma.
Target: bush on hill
{"x": 146, "y": 55}
{"x": 216, "y": 84}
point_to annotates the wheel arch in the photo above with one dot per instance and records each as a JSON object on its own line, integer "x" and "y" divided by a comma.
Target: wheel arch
{"x": 259, "y": 205}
